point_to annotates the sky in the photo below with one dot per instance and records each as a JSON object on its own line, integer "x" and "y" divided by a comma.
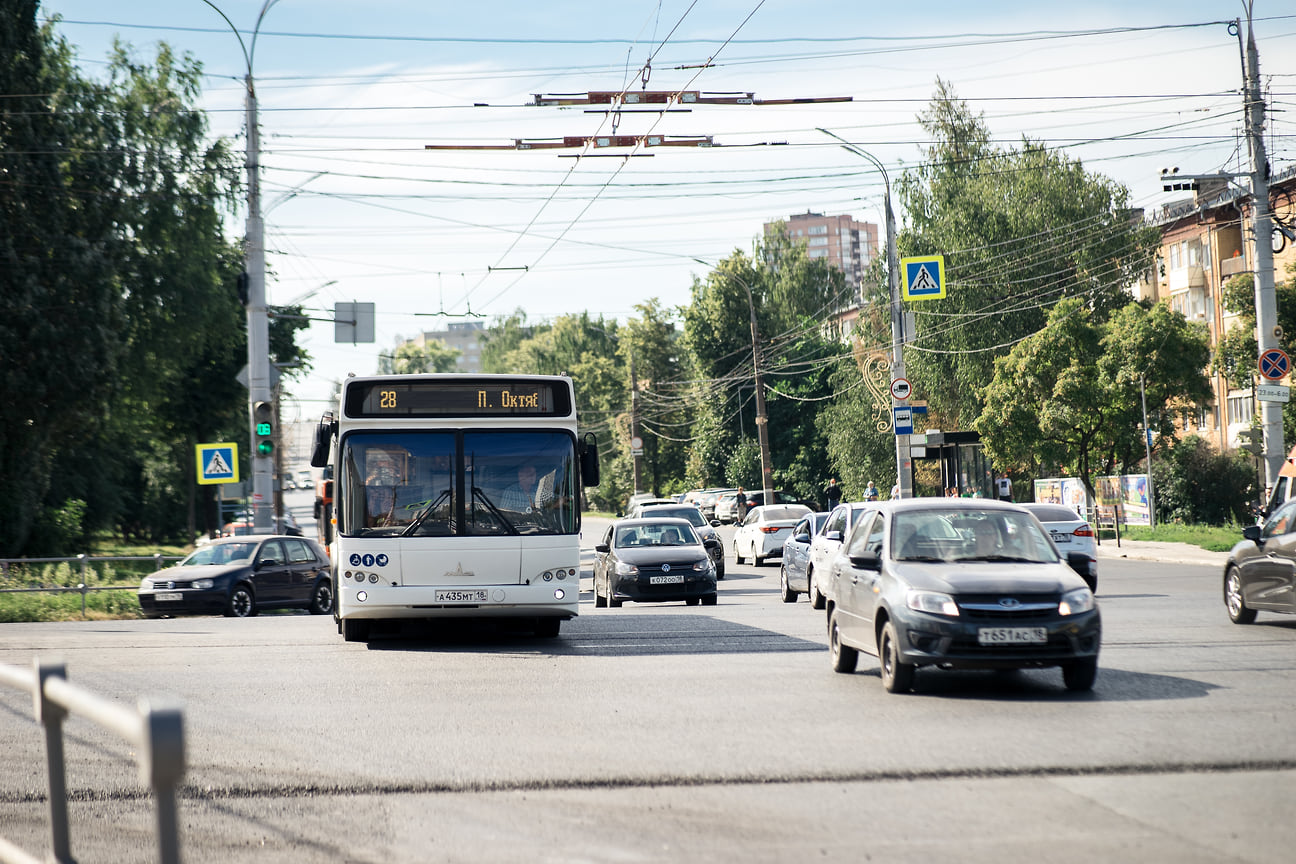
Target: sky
{"x": 349, "y": 95}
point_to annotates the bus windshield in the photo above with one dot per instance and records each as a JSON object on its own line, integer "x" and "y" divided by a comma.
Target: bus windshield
{"x": 444, "y": 483}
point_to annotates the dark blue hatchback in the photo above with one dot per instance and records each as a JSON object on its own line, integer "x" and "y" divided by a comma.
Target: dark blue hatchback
{"x": 240, "y": 576}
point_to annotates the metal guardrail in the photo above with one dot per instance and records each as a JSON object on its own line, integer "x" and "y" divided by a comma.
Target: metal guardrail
{"x": 84, "y": 587}
{"x": 156, "y": 729}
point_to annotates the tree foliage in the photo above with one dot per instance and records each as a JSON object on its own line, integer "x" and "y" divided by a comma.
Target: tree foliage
{"x": 1068, "y": 398}
{"x": 1021, "y": 229}
{"x": 120, "y": 330}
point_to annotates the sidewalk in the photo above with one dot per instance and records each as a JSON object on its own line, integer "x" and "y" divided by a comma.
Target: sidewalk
{"x": 1154, "y": 550}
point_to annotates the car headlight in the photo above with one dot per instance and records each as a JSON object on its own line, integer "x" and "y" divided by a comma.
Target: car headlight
{"x": 146, "y": 585}
{"x": 204, "y": 584}
{"x": 932, "y": 602}
{"x": 624, "y": 569}
{"x": 702, "y": 566}
{"x": 1076, "y": 601}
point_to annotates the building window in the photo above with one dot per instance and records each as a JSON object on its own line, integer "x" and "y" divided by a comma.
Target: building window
{"x": 1241, "y": 409}
{"x": 1174, "y": 256}
{"x": 818, "y": 241}
{"x": 817, "y": 253}
{"x": 817, "y": 229}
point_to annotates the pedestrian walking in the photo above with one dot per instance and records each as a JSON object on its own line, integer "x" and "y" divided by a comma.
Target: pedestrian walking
{"x": 870, "y": 492}
{"x": 1003, "y": 487}
{"x": 833, "y": 493}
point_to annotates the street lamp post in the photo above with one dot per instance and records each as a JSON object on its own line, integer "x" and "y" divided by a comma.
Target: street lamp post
{"x": 258, "y": 326}
{"x": 904, "y": 460}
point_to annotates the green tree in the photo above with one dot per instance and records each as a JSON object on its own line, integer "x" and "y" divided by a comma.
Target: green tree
{"x": 411, "y": 359}
{"x": 1020, "y": 229}
{"x": 1069, "y": 396}
{"x": 56, "y": 283}
{"x": 113, "y": 240}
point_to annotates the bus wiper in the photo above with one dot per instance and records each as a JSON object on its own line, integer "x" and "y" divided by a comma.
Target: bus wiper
{"x": 480, "y": 496}
{"x": 424, "y": 513}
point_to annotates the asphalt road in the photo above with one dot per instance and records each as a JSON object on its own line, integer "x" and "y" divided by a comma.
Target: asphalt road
{"x": 673, "y": 733}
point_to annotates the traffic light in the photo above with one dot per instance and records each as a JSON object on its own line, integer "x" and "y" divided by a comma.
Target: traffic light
{"x": 263, "y": 428}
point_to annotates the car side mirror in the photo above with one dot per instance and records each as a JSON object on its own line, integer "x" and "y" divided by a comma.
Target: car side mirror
{"x": 1079, "y": 562}
{"x": 833, "y": 535}
{"x": 602, "y": 548}
{"x": 867, "y": 560}
{"x": 1252, "y": 533}
{"x": 802, "y": 538}
{"x": 716, "y": 523}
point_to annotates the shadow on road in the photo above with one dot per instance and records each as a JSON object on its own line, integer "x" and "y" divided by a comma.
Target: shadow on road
{"x": 620, "y": 633}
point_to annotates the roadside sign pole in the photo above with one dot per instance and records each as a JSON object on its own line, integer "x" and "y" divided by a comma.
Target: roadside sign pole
{"x": 904, "y": 458}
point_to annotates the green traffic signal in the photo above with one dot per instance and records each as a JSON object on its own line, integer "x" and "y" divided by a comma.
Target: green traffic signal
{"x": 265, "y": 448}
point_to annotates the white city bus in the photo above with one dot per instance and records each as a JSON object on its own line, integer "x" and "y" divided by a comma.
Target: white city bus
{"x": 455, "y": 496}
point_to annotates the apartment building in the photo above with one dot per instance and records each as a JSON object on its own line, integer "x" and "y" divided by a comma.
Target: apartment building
{"x": 463, "y": 336}
{"x": 1206, "y": 240}
{"x": 847, "y": 244}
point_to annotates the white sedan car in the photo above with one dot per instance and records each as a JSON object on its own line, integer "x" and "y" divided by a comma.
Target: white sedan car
{"x": 762, "y": 533}
{"x": 1071, "y": 533}
{"x": 824, "y": 546}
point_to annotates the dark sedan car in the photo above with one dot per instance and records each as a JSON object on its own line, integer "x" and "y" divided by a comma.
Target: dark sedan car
{"x": 650, "y": 560}
{"x": 705, "y": 530}
{"x": 240, "y": 576}
{"x": 963, "y": 584}
{"x": 796, "y": 556}
{"x": 1261, "y": 571}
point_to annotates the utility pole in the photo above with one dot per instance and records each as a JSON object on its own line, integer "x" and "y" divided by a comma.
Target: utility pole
{"x": 636, "y": 443}
{"x": 1268, "y": 334}
{"x": 762, "y": 420}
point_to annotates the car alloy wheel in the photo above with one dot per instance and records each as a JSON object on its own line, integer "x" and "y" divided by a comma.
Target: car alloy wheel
{"x": 1238, "y": 611}
{"x": 817, "y": 600}
{"x": 844, "y": 657}
{"x": 321, "y": 598}
{"x": 242, "y": 604}
{"x": 785, "y": 590}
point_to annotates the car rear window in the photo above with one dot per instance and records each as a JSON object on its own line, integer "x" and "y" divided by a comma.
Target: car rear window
{"x": 1055, "y": 513}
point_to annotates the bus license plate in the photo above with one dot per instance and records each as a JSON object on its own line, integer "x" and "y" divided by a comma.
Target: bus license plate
{"x": 168, "y": 598}
{"x": 1012, "y": 635}
{"x": 672, "y": 579}
{"x": 459, "y": 595}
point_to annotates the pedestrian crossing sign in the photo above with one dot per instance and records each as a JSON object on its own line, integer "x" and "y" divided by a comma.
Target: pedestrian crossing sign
{"x": 924, "y": 277}
{"x": 217, "y": 463}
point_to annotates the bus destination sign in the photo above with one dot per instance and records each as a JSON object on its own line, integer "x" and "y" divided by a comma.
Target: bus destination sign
{"x": 459, "y": 398}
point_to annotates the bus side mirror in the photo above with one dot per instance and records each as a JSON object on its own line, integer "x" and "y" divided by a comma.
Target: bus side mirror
{"x": 323, "y": 439}
{"x": 589, "y": 461}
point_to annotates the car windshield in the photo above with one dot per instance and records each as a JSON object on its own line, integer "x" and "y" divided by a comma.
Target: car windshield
{"x": 220, "y": 553}
{"x": 651, "y": 534}
{"x": 950, "y": 535}
{"x": 1054, "y": 513}
{"x": 692, "y": 514}
{"x": 776, "y": 513}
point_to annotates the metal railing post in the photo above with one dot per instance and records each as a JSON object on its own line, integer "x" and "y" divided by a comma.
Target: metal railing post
{"x": 51, "y": 716}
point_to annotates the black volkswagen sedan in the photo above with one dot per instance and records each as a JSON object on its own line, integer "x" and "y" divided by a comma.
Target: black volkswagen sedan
{"x": 1260, "y": 574}
{"x": 240, "y": 576}
{"x": 960, "y": 583}
{"x": 651, "y": 560}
